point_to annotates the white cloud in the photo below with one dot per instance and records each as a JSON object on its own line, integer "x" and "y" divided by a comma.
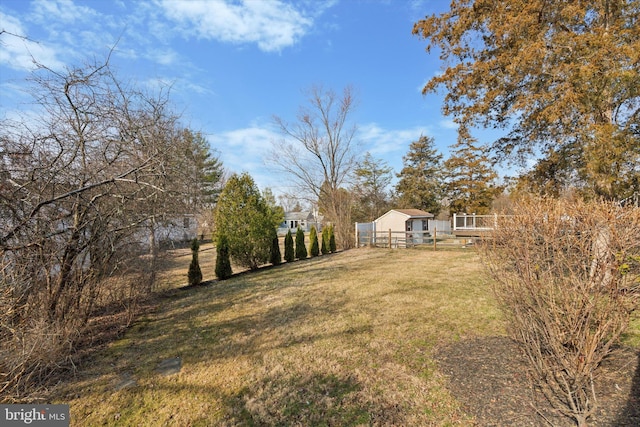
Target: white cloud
{"x": 448, "y": 124}
{"x": 21, "y": 53}
{"x": 163, "y": 56}
{"x": 382, "y": 141}
{"x": 272, "y": 25}
{"x": 245, "y": 150}
{"x": 64, "y": 11}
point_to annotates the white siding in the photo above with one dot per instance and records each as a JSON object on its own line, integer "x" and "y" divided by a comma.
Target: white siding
{"x": 392, "y": 220}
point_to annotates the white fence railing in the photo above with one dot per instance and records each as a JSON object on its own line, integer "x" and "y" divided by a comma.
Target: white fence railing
{"x": 474, "y": 222}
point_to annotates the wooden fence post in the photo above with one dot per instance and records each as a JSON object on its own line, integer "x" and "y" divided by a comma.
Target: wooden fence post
{"x": 389, "y": 238}
{"x": 434, "y": 238}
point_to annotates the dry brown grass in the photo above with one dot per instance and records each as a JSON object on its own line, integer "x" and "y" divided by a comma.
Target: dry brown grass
{"x": 345, "y": 339}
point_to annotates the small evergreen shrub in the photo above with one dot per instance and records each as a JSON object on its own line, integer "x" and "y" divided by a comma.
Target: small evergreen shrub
{"x": 313, "y": 242}
{"x": 332, "y": 240}
{"x": 289, "y": 254}
{"x": 301, "y": 248}
{"x": 275, "y": 255}
{"x": 195, "y": 273}
{"x": 324, "y": 245}
{"x": 223, "y": 262}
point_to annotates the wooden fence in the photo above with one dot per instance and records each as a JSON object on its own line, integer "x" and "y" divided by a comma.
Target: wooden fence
{"x": 407, "y": 239}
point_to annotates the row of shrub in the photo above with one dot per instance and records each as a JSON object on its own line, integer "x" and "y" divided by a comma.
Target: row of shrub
{"x": 245, "y": 231}
{"x": 292, "y": 250}
{"x": 326, "y": 245}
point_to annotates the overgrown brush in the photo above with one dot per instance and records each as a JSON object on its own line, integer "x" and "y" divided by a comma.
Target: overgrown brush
{"x": 34, "y": 345}
{"x": 567, "y": 275}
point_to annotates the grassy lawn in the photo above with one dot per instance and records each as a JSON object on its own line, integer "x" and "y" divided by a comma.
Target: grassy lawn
{"x": 345, "y": 339}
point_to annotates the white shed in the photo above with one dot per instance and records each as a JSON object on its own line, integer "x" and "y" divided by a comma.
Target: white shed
{"x": 409, "y": 225}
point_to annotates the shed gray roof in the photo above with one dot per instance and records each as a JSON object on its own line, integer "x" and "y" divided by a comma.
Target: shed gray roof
{"x": 415, "y": 213}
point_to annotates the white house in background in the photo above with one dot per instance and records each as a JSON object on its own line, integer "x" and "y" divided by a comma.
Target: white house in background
{"x": 182, "y": 228}
{"x": 169, "y": 231}
{"x": 305, "y": 220}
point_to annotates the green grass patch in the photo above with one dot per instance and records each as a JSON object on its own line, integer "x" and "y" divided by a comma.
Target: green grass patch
{"x": 631, "y": 337}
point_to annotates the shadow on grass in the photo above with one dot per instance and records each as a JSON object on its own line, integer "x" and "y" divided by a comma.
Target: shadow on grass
{"x": 188, "y": 324}
{"x": 315, "y": 261}
{"x": 245, "y": 317}
{"x": 630, "y": 416}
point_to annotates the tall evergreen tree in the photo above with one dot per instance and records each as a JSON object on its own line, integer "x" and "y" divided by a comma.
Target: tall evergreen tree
{"x": 470, "y": 179}
{"x": 276, "y": 210}
{"x": 301, "y": 248}
{"x": 289, "y": 252}
{"x": 207, "y": 170}
{"x": 553, "y": 175}
{"x": 314, "y": 250}
{"x": 246, "y": 221}
{"x": 420, "y": 184}
{"x": 372, "y": 179}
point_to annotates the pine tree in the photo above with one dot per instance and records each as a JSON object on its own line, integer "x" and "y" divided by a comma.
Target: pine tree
{"x": 420, "y": 184}
{"x": 371, "y": 196}
{"x": 223, "y": 263}
{"x": 301, "y": 248}
{"x": 247, "y": 221}
{"x": 289, "y": 254}
{"x": 208, "y": 171}
{"x": 324, "y": 246}
{"x": 276, "y": 256}
{"x": 313, "y": 242}
{"x": 332, "y": 239}
{"x": 195, "y": 273}
{"x": 471, "y": 180}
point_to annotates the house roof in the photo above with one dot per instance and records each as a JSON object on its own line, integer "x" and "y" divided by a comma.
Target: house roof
{"x": 302, "y": 216}
{"x": 414, "y": 213}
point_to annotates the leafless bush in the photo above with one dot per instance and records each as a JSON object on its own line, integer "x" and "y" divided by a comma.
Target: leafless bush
{"x": 35, "y": 346}
{"x": 567, "y": 274}
{"x": 83, "y": 178}
{"x": 35, "y": 350}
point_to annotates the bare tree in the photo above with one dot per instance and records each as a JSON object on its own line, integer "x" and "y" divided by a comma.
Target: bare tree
{"x": 80, "y": 180}
{"x": 318, "y": 151}
{"x": 567, "y": 277}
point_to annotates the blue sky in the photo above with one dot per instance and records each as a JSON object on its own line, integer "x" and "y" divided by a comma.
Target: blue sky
{"x": 233, "y": 65}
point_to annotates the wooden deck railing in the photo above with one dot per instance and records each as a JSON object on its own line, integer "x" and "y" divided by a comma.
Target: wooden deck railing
{"x": 474, "y": 222}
